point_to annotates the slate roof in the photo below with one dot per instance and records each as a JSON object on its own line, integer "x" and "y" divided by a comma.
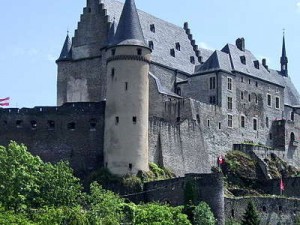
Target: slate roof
{"x": 164, "y": 39}
{"x": 217, "y": 61}
{"x": 66, "y": 52}
{"x": 129, "y": 31}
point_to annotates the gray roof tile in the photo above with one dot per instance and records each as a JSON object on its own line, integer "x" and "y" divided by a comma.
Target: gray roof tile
{"x": 66, "y": 52}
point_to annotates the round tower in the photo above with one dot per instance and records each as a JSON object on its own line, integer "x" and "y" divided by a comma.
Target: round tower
{"x": 127, "y": 97}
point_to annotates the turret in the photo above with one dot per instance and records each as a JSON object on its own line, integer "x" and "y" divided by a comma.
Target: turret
{"x": 284, "y": 59}
{"x": 66, "y": 52}
{"x": 127, "y": 98}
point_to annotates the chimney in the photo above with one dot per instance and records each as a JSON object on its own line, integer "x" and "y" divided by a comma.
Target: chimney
{"x": 240, "y": 44}
{"x": 264, "y": 63}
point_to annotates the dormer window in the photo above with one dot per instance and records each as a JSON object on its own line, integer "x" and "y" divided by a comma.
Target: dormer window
{"x": 151, "y": 45}
{"x": 192, "y": 59}
{"x": 177, "y": 46}
{"x": 256, "y": 64}
{"x": 172, "y": 52}
{"x": 152, "y": 28}
{"x": 243, "y": 59}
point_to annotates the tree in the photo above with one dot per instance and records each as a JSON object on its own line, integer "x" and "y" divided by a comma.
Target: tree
{"x": 27, "y": 182}
{"x": 203, "y": 215}
{"x": 154, "y": 213}
{"x": 251, "y": 216}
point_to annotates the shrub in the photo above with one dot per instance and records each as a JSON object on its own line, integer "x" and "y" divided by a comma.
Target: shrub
{"x": 203, "y": 215}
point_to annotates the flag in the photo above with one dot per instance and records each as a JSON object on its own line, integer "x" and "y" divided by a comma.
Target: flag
{"x": 4, "y": 101}
{"x": 220, "y": 160}
{"x": 281, "y": 185}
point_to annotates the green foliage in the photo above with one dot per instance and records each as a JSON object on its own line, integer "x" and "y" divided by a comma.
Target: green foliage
{"x": 12, "y": 218}
{"x": 251, "y": 216}
{"x": 203, "y": 215}
{"x": 27, "y": 182}
{"x": 232, "y": 222}
{"x": 155, "y": 214}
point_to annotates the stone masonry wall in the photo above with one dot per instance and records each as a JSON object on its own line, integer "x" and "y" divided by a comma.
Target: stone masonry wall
{"x": 73, "y": 132}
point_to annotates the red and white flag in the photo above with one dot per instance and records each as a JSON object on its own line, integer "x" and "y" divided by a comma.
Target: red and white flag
{"x": 4, "y": 101}
{"x": 281, "y": 185}
{"x": 220, "y": 160}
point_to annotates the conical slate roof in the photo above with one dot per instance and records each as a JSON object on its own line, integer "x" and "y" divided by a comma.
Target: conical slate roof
{"x": 66, "y": 53}
{"x": 129, "y": 31}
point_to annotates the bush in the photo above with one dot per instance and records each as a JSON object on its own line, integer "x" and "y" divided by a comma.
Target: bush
{"x": 232, "y": 222}
{"x": 203, "y": 215}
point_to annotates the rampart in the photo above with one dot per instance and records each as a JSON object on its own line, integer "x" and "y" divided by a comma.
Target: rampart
{"x": 72, "y": 132}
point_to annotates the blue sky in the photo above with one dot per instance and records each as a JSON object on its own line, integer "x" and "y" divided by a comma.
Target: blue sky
{"x": 33, "y": 32}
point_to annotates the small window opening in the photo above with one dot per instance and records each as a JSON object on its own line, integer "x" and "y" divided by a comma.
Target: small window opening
{"x": 267, "y": 122}
{"x": 126, "y": 86}
{"x": 242, "y": 95}
{"x": 292, "y": 137}
{"x": 264, "y": 209}
{"x": 152, "y": 28}
{"x": 33, "y": 124}
{"x": 212, "y": 83}
{"x": 292, "y": 116}
{"x": 229, "y": 120}
{"x": 232, "y": 213}
{"x": 134, "y": 120}
{"x": 208, "y": 123}
{"x": 139, "y": 51}
{"x": 243, "y": 121}
{"x": 280, "y": 208}
{"x": 256, "y": 84}
{"x": 172, "y": 52}
{"x": 117, "y": 119}
{"x": 249, "y": 97}
{"x": 256, "y": 64}
{"x": 256, "y": 99}
{"x": 177, "y": 46}
{"x": 113, "y": 52}
{"x": 178, "y": 91}
{"x": 249, "y": 81}
{"x": 151, "y": 45}
{"x": 51, "y": 124}
{"x": 254, "y": 124}
{"x": 212, "y": 100}
{"x": 71, "y": 126}
{"x": 229, "y": 103}
{"x": 220, "y": 126}
{"x": 242, "y": 79}
{"x": 229, "y": 83}
{"x": 19, "y": 123}
{"x": 270, "y": 136}
{"x": 269, "y": 100}
{"x": 277, "y": 103}
{"x": 112, "y": 72}
{"x": 178, "y": 119}
{"x": 192, "y": 59}
{"x": 198, "y": 118}
{"x": 93, "y": 124}
{"x": 243, "y": 60}
{"x": 130, "y": 166}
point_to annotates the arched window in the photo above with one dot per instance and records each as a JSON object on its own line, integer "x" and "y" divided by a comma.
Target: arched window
{"x": 292, "y": 137}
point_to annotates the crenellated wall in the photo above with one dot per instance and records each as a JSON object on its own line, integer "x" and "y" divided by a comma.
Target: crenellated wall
{"x": 73, "y": 132}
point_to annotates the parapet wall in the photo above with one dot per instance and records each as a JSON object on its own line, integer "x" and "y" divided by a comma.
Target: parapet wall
{"x": 72, "y": 132}
{"x": 272, "y": 210}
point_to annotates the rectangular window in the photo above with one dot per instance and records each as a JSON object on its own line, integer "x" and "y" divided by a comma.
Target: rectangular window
{"x": 212, "y": 83}
{"x": 229, "y": 120}
{"x": 134, "y": 120}
{"x": 220, "y": 126}
{"x": 208, "y": 123}
{"x": 242, "y": 95}
{"x": 277, "y": 102}
{"x": 229, "y": 83}
{"x": 267, "y": 122}
{"x": 269, "y": 100}
{"x": 243, "y": 121}
{"x": 126, "y": 86}
{"x": 254, "y": 124}
{"x": 117, "y": 119}
{"x": 229, "y": 103}
{"x": 212, "y": 100}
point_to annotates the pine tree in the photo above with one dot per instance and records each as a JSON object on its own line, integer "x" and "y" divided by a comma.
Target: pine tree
{"x": 251, "y": 216}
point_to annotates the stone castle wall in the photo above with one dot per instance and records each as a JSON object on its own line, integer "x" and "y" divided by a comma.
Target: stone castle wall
{"x": 73, "y": 132}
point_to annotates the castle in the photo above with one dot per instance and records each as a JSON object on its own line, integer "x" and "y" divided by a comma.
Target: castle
{"x": 133, "y": 89}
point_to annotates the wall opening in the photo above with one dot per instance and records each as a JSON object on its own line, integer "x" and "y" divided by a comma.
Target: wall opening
{"x": 292, "y": 116}
{"x": 113, "y": 52}
{"x": 293, "y": 138}
{"x": 232, "y": 213}
{"x": 126, "y": 86}
{"x": 93, "y": 124}
{"x": 130, "y": 166}
{"x": 139, "y": 51}
{"x": 264, "y": 209}
{"x": 117, "y": 120}
{"x": 51, "y": 124}
{"x": 198, "y": 118}
{"x": 134, "y": 120}
{"x": 71, "y": 126}
{"x": 152, "y": 28}
{"x": 33, "y": 124}
{"x": 112, "y": 72}
{"x": 177, "y": 46}
{"x": 19, "y": 123}
{"x": 254, "y": 124}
